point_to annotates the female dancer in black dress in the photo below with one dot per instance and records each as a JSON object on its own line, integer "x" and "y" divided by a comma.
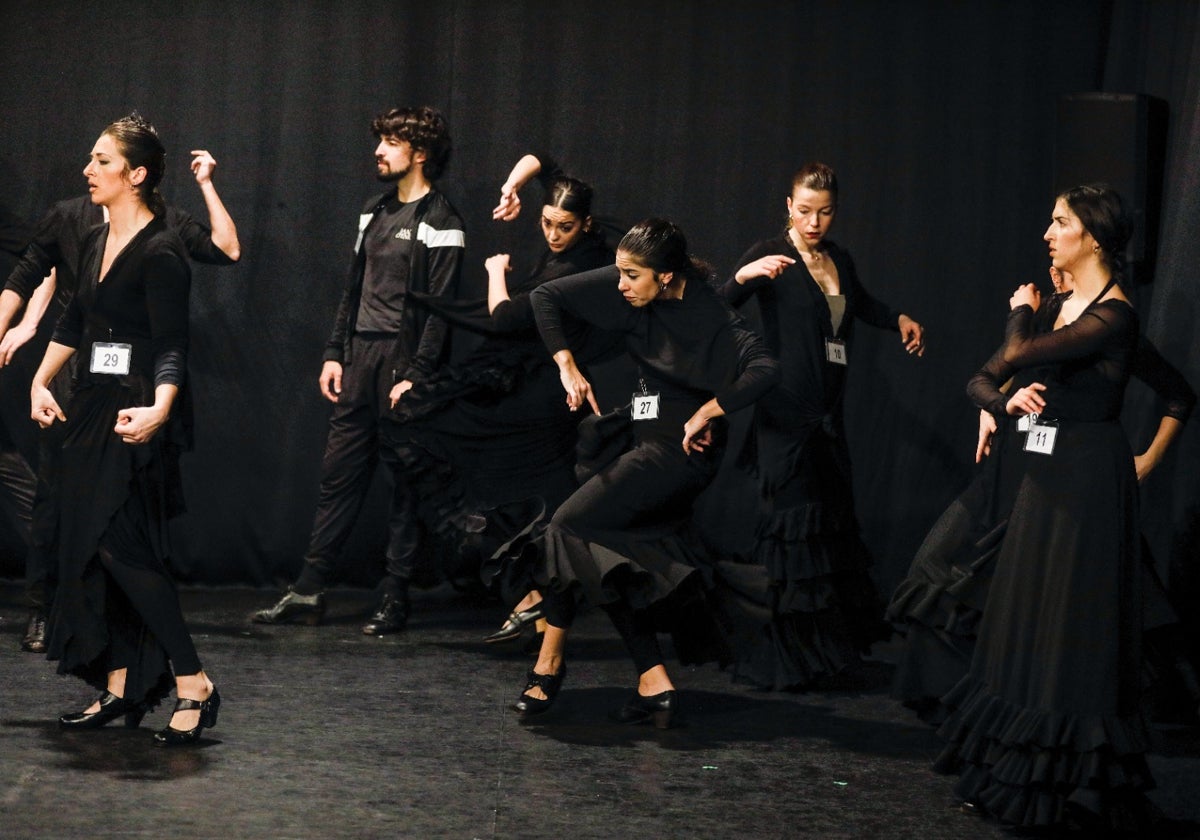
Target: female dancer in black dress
{"x": 620, "y": 541}
{"x": 493, "y": 428}
{"x": 1044, "y": 728}
{"x": 938, "y": 605}
{"x": 805, "y": 603}
{"x": 116, "y": 620}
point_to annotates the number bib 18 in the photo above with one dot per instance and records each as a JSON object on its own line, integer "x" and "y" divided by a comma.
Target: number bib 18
{"x": 112, "y": 359}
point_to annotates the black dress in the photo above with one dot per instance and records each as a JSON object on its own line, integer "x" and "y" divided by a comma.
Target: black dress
{"x": 494, "y": 427}
{"x": 624, "y": 535}
{"x": 938, "y": 604}
{"x": 1046, "y": 720}
{"x": 805, "y": 603}
{"x": 117, "y": 498}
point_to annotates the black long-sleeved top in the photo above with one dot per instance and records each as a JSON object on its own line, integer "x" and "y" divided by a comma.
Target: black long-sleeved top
{"x": 688, "y": 349}
{"x": 58, "y": 242}
{"x": 142, "y": 301}
{"x": 1093, "y": 355}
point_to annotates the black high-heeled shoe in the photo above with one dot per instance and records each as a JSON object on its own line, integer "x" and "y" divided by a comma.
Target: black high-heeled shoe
{"x": 111, "y": 708}
{"x": 660, "y": 708}
{"x": 172, "y": 737}
{"x": 515, "y": 624}
{"x": 548, "y": 683}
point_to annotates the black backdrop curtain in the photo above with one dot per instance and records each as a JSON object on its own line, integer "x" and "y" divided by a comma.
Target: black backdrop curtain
{"x": 938, "y": 117}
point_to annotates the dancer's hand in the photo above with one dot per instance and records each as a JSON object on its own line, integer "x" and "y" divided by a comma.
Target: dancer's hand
{"x": 987, "y": 428}
{"x": 44, "y": 408}
{"x": 769, "y": 266}
{"x": 1027, "y": 400}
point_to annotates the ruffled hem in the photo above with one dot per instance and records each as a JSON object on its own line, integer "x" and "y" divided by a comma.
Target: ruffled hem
{"x": 808, "y": 542}
{"x": 1031, "y": 767}
{"x": 932, "y": 605}
{"x": 655, "y": 570}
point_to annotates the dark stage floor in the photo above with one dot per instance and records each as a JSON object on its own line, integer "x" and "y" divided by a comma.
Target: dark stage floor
{"x": 327, "y": 733}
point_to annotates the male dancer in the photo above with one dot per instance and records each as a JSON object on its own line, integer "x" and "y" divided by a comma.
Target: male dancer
{"x": 48, "y": 268}
{"x": 410, "y": 239}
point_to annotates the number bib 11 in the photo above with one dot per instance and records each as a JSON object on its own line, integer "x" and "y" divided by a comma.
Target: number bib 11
{"x": 112, "y": 359}
{"x": 1041, "y": 436}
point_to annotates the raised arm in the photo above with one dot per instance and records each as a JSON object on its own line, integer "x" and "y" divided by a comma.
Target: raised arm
{"x": 510, "y": 202}
{"x": 224, "y": 231}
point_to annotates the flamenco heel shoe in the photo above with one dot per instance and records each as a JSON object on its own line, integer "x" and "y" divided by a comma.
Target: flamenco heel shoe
{"x": 515, "y": 624}
{"x": 293, "y": 608}
{"x": 111, "y": 708}
{"x": 548, "y": 683}
{"x": 169, "y": 736}
{"x": 660, "y": 708}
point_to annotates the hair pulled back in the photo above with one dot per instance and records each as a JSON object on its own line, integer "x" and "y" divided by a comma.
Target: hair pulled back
{"x": 661, "y": 246}
{"x": 1105, "y": 216}
{"x": 140, "y": 146}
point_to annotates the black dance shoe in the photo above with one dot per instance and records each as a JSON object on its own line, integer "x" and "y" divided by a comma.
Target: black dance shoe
{"x": 549, "y": 683}
{"x": 294, "y": 608}
{"x": 660, "y": 708}
{"x": 111, "y": 708}
{"x": 515, "y": 624}
{"x": 171, "y": 737}
{"x": 34, "y": 640}
{"x": 391, "y": 616}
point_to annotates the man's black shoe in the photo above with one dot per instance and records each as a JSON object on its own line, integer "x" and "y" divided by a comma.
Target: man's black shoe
{"x": 294, "y": 608}
{"x": 390, "y": 617}
{"x": 35, "y": 633}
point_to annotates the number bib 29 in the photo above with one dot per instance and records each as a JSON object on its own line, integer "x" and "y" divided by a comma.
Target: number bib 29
{"x": 112, "y": 359}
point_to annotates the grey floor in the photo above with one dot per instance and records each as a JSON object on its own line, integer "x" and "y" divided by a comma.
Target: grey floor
{"x": 325, "y": 733}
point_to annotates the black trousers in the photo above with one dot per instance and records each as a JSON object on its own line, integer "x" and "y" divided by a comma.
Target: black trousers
{"x": 351, "y": 456}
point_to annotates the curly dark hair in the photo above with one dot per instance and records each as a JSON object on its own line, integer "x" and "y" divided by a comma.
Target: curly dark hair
{"x": 424, "y": 129}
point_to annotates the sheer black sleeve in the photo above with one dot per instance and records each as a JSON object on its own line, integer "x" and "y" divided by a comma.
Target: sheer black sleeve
{"x": 1087, "y": 334}
{"x": 1165, "y": 379}
{"x": 984, "y": 387}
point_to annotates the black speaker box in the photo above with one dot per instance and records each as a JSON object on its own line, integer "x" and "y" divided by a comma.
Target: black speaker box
{"x": 1120, "y": 139}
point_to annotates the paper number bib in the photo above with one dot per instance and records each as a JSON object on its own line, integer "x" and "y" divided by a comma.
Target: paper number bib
{"x": 112, "y": 359}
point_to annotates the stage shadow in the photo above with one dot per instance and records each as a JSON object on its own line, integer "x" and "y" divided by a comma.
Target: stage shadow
{"x": 712, "y": 720}
{"x": 125, "y": 754}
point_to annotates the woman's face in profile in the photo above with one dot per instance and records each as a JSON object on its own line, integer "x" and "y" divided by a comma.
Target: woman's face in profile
{"x": 107, "y": 172}
{"x": 811, "y": 212}
{"x": 1069, "y": 242}
{"x": 562, "y": 228}
{"x": 638, "y": 284}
